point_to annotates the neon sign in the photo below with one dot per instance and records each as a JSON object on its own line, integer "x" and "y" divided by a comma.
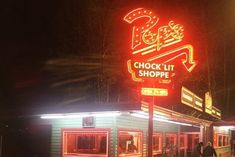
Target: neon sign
{"x": 148, "y": 43}
{"x": 154, "y": 92}
{"x": 145, "y": 70}
{"x": 190, "y": 99}
{"x": 209, "y": 108}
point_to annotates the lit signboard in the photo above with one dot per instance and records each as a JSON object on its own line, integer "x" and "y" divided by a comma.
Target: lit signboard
{"x": 145, "y": 70}
{"x": 216, "y": 112}
{"x": 190, "y": 99}
{"x": 154, "y": 49}
{"x": 154, "y": 92}
{"x": 209, "y": 108}
{"x": 208, "y": 103}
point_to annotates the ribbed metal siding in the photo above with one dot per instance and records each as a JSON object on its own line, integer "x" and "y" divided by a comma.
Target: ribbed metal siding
{"x": 135, "y": 123}
{"x": 114, "y": 123}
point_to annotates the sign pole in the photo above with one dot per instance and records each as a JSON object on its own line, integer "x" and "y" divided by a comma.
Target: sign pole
{"x": 150, "y": 129}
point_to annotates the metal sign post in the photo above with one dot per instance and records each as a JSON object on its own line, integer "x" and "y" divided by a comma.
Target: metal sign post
{"x": 150, "y": 129}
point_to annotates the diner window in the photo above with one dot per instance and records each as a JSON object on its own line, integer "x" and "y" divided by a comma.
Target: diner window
{"x": 171, "y": 139}
{"x": 85, "y": 142}
{"x": 221, "y": 140}
{"x": 130, "y": 143}
{"x": 215, "y": 140}
{"x": 224, "y": 141}
{"x": 157, "y": 143}
{"x": 182, "y": 141}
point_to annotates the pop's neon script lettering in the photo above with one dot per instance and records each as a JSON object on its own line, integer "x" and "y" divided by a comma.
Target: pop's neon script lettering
{"x": 143, "y": 34}
{"x": 149, "y": 39}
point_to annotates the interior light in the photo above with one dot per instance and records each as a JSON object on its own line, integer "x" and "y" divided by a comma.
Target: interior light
{"x": 173, "y": 122}
{"x": 226, "y": 127}
{"x": 196, "y": 126}
{"x": 52, "y": 116}
{"x": 157, "y": 118}
{"x": 106, "y": 114}
{"x": 146, "y": 114}
{"x": 80, "y": 115}
{"x": 139, "y": 115}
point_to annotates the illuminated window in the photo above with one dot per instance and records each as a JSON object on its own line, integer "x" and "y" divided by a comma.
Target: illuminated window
{"x": 171, "y": 139}
{"x": 157, "y": 143}
{"x": 130, "y": 143}
{"x": 85, "y": 142}
{"x": 182, "y": 141}
{"x": 221, "y": 140}
{"x": 224, "y": 140}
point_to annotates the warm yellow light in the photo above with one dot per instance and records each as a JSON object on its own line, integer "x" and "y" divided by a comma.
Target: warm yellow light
{"x": 208, "y": 103}
{"x": 191, "y": 99}
{"x": 135, "y": 15}
{"x": 148, "y": 40}
{"x": 154, "y": 92}
{"x": 185, "y": 50}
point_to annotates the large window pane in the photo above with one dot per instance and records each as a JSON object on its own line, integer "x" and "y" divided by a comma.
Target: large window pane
{"x": 224, "y": 141}
{"x": 157, "y": 142}
{"x": 129, "y": 143}
{"x": 85, "y": 142}
{"x": 171, "y": 140}
{"x": 182, "y": 141}
{"x": 220, "y": 140}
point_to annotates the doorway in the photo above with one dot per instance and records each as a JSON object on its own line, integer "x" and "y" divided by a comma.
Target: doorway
{"x": 192, "y": 141}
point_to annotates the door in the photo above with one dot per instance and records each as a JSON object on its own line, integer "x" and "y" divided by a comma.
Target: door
{"x": 183, "y": 144}
{"x": 192, "y": 141}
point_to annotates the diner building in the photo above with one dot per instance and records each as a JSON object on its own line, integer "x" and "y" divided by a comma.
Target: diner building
{"x": 119, "y": 133}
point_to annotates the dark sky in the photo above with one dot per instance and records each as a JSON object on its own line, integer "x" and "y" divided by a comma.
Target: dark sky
{"x": 43, "y": 40}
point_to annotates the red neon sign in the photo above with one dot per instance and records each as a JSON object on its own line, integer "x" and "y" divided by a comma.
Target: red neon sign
{"x": 142, "y": 32}
{"x": 150, "y": 70}
{"x": 148, "y": 40}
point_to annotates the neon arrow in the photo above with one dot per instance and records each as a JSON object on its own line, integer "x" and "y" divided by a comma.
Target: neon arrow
{"x": 186, "y": 50}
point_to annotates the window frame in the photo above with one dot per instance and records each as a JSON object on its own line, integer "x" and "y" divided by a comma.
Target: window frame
{"x": 155, "y": 152}
{"x": 175, "y": 134}
{"x": 224, "y": 142}
{"x": 140, "y": 154}
{"x": 85, "y": 130}
{"x": 184, "y": 136}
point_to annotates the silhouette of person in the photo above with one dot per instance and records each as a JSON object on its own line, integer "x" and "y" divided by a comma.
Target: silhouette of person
{"x": 197, "y": 151}
{"x": 131, "y": 147}
{"x": 209, "y": 151}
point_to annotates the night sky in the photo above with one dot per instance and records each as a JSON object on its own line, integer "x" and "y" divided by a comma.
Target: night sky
{"x": 59, "y": 53}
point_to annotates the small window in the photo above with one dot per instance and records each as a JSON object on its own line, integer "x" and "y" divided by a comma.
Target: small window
{"x": 221, "y": 140}
{"x": 182, "y": 141}
{"x": 130, "y": 143}
{"x": 157, "y": 143}
{"x": 171, "y": 140}
{"x": 215, "y": 140}
{"x": 224, "y": 141}
{"x": 85, "y": 142}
